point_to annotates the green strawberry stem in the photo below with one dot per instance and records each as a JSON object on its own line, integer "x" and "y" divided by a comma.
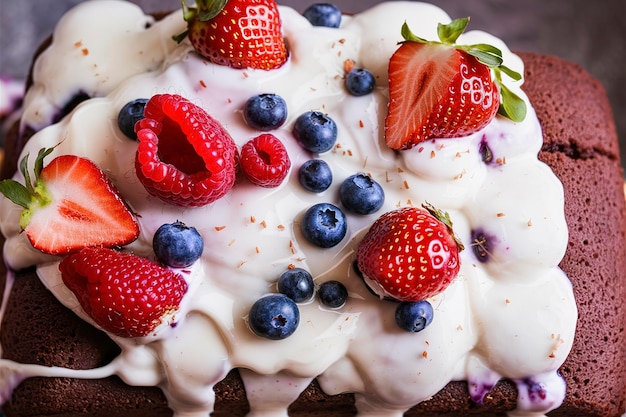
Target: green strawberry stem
{"x": 202, "y": 10}
{"x": 511, "y": 105}
{"x": 444, "y": 218}
{"x": 31, "y": 195}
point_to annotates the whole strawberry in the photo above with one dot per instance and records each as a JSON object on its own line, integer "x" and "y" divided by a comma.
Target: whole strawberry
{"x": 70, "y": 204}
{"x": 444, "y": 90}
{"x": 184, "y": 156}
{"x": 410, "y": 253}
{"x": 125, "y": 294}
{"x": 236, "y": 33}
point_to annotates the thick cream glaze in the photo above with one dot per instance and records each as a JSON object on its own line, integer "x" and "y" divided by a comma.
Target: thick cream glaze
{"x": 512, "y": 317}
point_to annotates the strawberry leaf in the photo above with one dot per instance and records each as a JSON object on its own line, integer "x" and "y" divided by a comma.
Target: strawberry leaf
{"x": 489, "y": 59}
{"x": 208, "y": 9}
{"x": 408, "y": 35}
{"x": 15, "y": 192}
{"x": 486, "y": 54}
{"x": 24, "y": 170}
{"x": 511, "y": 105}
{"x": 24, "y": 194}
{"x": 449, "y": 33}
{"x": 202, "y": 10}
{"x": 180, "y": 37}
{"x": 513, "y": 74}
{"x": 444, "y": 218}
{"x": 41, "y": 155}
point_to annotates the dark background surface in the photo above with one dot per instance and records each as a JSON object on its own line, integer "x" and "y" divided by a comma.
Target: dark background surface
{"x": 589, "y": 33}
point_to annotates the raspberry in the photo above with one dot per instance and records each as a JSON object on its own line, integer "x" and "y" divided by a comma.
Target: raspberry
{"x": 184, "y": 156}
{"x": 265, "y": 161}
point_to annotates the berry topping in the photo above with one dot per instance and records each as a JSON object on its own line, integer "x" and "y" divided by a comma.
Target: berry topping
{"x": 265, "y": 160}
{"x": 274, "y": 316}
{"x": 323, "y": 14}
{"x": 236, "y": 33}
{"x": 297, "y": 284}
{"x": 70, "y": 105}
{"x": 265, "y": 112}
{"x": 485, "y": 152}
{"x": 129, "y": 115}
{"x": 410, "y": 254}
{"x": 481, "y": 245}
{"x": 414, "y": 316}
{"x": 360, "y": 194}
{"x": 315, "y": 131}
{"x": 177, "y": 245}
{"x": 315, "y": 175}
{"x": 444, "y": 90}
{"x": 332, "y": 294}
{"x": 360, "y": 82}
{"x": 184, "y": 157}
{"x": 125, "y": 294}
{"x": 324, "y": 225}
{"x": 71, "y": 204}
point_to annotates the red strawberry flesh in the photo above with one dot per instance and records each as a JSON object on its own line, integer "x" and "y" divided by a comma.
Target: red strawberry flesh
{"x": 124, "y": 294}
{"x": 84, "y": 209}
{"x": 437, "y": 91}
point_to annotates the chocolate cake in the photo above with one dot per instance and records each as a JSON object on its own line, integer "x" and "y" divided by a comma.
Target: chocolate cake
{"x": 579, "y": 145}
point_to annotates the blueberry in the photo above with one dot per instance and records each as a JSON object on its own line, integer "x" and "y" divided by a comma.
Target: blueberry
{"x": 332, "y": 294}
{"x": 536, "y": 391}
{"x": 315, "y": 131}
{"x": 481, "y": 245}
{"x": 265, "y": 112}
{"x": 315, "y": 175}
{"x": 324, "y": 225}
{"x": 297, "y": 284}
{"x": 177, "y": 245}
{"x": 414, "y": 316}
{"x": 360, "y": 82}
{"x": 360, "y": 194}
{"x": 485, "y": 152}
{"x": 323, "y": 14}
{"x": 131, "y": 113}
{"x": 70, "y": 105}
{"x": 274, "y": 316}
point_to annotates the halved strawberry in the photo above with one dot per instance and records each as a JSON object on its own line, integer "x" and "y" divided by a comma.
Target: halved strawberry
{"x": 236, "y": 33}
{"x": 72, "y": 204}
{"x": 410, "y": 254}
{"x": 444, "y": 90}
{"x": 184, "y": 156}
{"x": 125, "y": 294}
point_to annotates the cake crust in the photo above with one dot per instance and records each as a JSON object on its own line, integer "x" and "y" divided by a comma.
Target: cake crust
{"x": 581, "y": 147}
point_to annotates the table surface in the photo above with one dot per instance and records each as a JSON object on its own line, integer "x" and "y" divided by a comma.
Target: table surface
{"x": 590, "y": 33}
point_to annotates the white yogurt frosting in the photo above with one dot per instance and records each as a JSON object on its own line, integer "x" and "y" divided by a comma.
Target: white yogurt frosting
{"x": 512, "y": 317}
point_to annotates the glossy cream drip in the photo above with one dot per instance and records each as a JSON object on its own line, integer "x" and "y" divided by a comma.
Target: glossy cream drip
{"x": 512, "y": 317}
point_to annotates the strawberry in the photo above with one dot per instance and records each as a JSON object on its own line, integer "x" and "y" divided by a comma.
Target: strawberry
{"x": 236, "y": 33}
{"x": 265, "y": 160}
{"x": 125, "y": 294}
{"x": 71, "y": 204}
{"x": 444, "y": 90}
{"x": 411, "y": 253}
{"x": 184, "y": 156}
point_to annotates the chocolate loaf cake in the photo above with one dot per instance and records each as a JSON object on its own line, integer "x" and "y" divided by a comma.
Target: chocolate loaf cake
{"x": 579, "y": 146}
